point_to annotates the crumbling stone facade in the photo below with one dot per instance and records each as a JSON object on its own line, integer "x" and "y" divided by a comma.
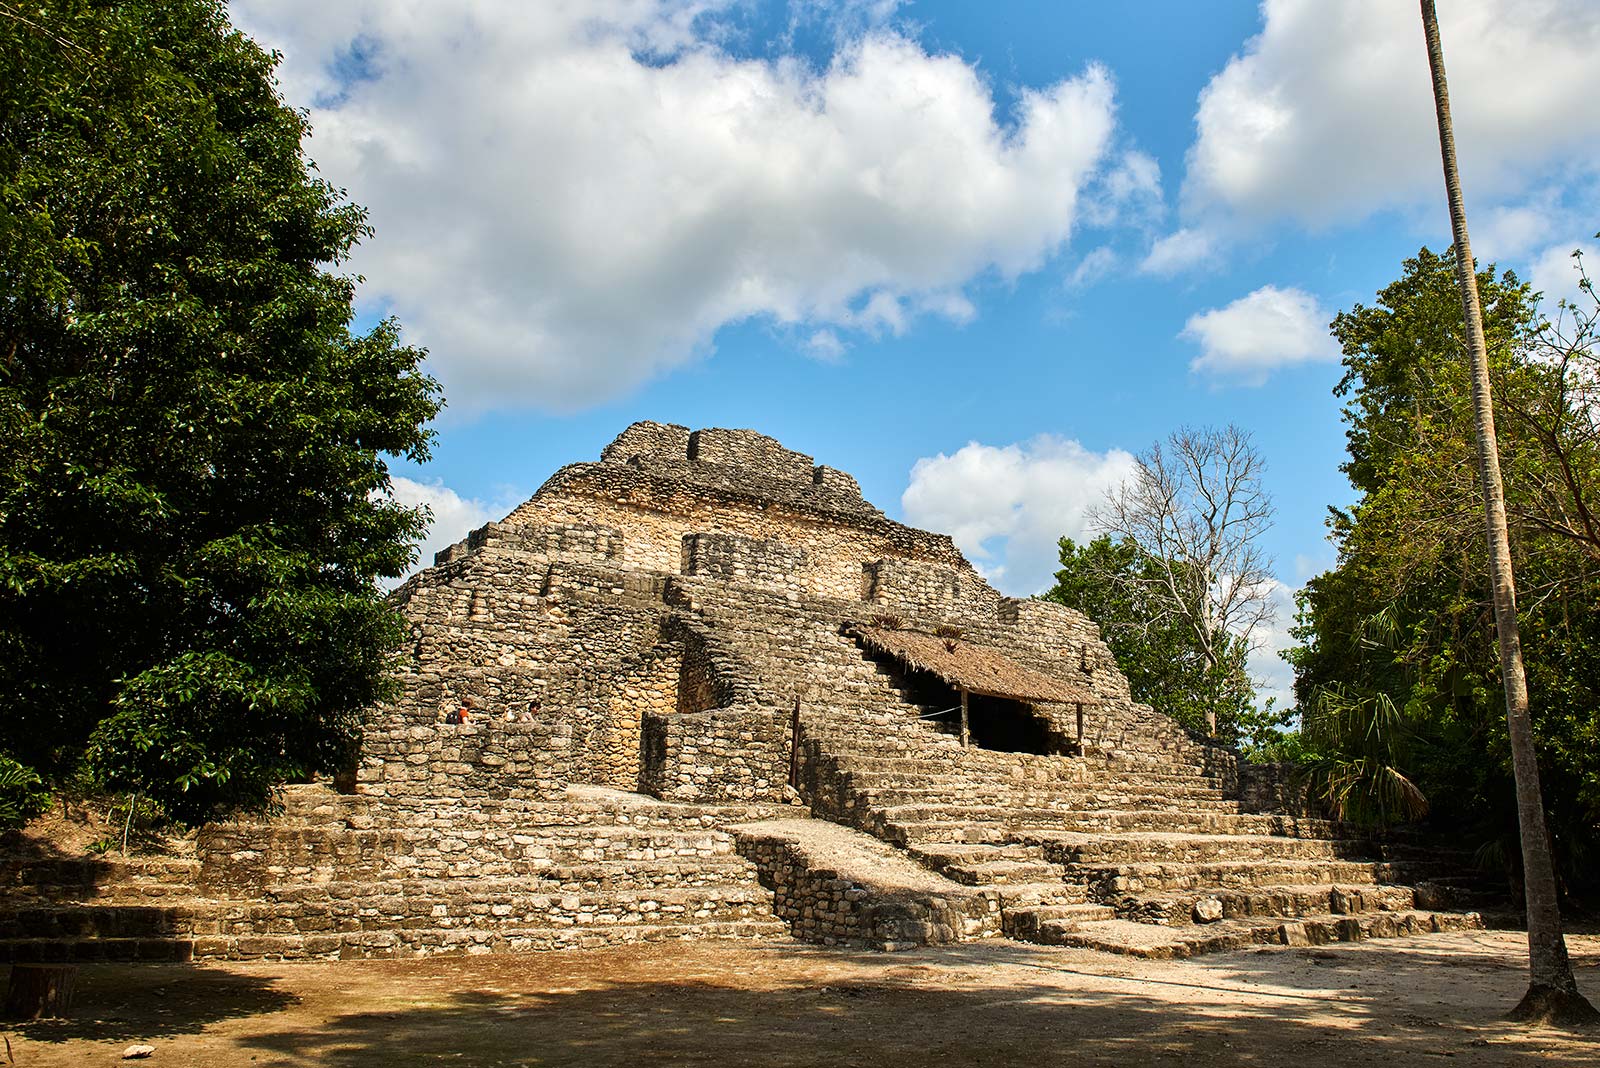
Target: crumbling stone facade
{"x": 677, "y": 728}
{"x": 672, "y": 556}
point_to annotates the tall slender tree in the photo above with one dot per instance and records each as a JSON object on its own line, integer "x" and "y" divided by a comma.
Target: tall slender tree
{"x": 1553, "y": 994}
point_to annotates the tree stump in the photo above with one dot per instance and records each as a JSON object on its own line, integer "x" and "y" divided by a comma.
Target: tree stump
{"x": 40, "y": 990}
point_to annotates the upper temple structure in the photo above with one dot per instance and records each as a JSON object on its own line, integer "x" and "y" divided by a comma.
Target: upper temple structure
{"x": 667, "y": 609}
{"x": 702, "y": 688}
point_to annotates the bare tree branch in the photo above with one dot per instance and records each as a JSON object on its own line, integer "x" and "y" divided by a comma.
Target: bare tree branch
{"x": 1196, "y": 507}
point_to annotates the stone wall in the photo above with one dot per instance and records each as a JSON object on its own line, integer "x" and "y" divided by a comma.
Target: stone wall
{"x": 581, "y": 542}
{"x": 750, "y": 451}
{"x": 731, "y": 558}
{"x": 645, "y": 438}
{"x": 1274, "y": 788}
{"x": 718, "y": 756}
{"x": 642, "y": 686}
{"x": 849, "y": 895}
{"x": 481, "y": 757}
{"x": 833, "y": 550}
{"x": 659, "y": 484}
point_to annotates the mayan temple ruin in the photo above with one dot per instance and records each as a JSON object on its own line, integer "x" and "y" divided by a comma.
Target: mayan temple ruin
{"x": 712, "y": 692}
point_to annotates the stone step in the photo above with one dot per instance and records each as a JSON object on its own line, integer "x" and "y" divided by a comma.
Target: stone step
{"x": 1107, "y": 883}
{"x": 987, "y": 865}
{"x": 1109, "y": 821}
{"x": 908, "y": 792}
{"x": 938, "y": 773}
{"x": 1186, "y": 907}
{"x": 579, "y": 806}
{"x": 948, "y": 830}
{"x": 843, "y": 887}
{"x": 426, "y": 903}
{"x": 529, "y": 872}
{"x": 411, "y": 942}
{"x": 1170, "y": 759}
{"x": 997, "y": 872}
{"x": 1156, "y": 847}
{"x": 1168, "y": 943}
{"x": 598, "y": 877}
{"x": 365, "y": 907}
{"x": 967, "y": 853}
{"x": 275, "y": 855}
{"x": 897, "y": 731}
{"x": 1211, "y": 822}
{"x": 908, "y": 789}
{"x": 939, "y": 831}
{"x": 123, "y": 894}
{"x": 629, "y": 875}
{"x": 960, "y": 766}
{"x": 1045, "y": 923}
{"x": 91, "y": 950}
{"x": 24, "y": 873}
{"x": 537, "y": 875}
{"x": 78, "y": 920}
{"x": 1048, "y": 892}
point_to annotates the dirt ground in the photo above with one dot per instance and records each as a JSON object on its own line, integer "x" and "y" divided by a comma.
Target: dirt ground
{"x": 1394, "y": 1002}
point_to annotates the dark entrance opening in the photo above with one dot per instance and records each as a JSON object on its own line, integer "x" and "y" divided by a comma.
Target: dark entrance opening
{"x": 999, "y": 723}
{"x": 1006, "y": 726}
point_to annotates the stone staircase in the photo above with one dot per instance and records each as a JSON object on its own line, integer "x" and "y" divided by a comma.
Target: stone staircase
{"x": 347, "y": 877}
{"x": 1133, "y": 856}
{"x": 1140, "y": 849}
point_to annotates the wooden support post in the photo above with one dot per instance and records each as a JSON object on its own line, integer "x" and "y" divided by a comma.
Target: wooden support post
{"x": 794, "y": 746}
{"x": 964, "y": 733}
{"x": 40, "y": 991}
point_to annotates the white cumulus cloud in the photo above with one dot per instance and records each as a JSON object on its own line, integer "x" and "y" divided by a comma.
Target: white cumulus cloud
{"x": 1244, "y": 342}
{"x": 1272, "y": 675}
{"x": 1554, "y": 272}
{"x": 570, "y": 198}
{"x": 1327, "y": 114}
{"x": 1008, "y": 506}
{"x": 1095, "y": 266}
{"x": 1179, "y": 251}
{"x": 453, "y": 515}
{"x": 1511, "y": 231}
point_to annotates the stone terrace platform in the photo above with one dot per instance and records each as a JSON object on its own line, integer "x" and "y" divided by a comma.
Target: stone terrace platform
{"x": 715, "y": 693}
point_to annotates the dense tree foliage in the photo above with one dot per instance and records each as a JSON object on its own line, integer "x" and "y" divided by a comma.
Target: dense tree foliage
{"x": 192, "y": 485}
{"x": 1120, "y": 588}
{"x": 1398, "y": 674}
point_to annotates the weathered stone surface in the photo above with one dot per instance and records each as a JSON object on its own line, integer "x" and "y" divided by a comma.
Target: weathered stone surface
{"x": 656, "y": 650}
{"x": 840, "y": 887}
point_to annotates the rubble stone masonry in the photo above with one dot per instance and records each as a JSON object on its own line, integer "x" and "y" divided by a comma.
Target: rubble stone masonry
{"x": 672, "y": 732}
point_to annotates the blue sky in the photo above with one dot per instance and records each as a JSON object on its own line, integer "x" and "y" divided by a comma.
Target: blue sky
{"x": 975, "y": 254}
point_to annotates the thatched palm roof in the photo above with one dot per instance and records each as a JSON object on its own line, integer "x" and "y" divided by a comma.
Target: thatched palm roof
{"x": 977, "y": 668}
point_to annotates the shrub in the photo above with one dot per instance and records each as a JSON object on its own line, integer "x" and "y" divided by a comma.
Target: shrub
{"x": 22, "y": 793}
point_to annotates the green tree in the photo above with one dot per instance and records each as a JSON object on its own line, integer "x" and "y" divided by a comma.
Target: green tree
{"x": 1397, "y": 641}
{"x": 193, "y": 505}
{"x": 1119, "y": 587}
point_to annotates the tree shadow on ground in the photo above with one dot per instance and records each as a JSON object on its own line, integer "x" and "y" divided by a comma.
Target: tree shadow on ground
{"x": 115, "y": 1002}
{"x": 1470, "y": 957}
{"x": 991, "y": 1005}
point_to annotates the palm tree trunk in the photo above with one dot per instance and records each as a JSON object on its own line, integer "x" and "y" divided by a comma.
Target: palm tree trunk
{"x": 1553, "y": 994}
